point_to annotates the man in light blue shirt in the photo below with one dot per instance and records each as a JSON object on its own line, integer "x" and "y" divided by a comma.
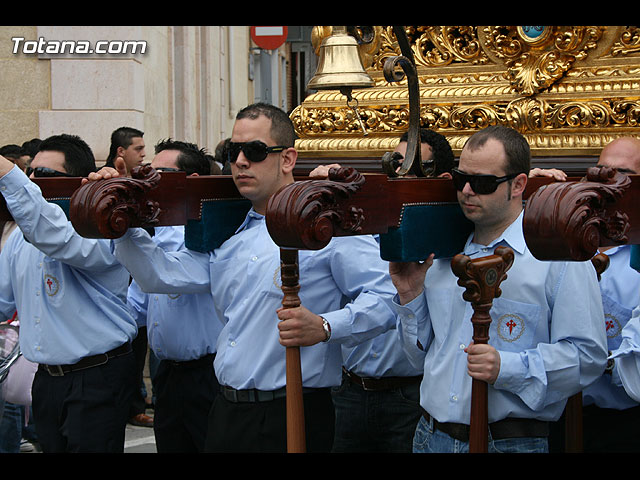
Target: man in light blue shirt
{"x": 70, "y": 295}
{"x": 182, "y": 331}
{"x": 378, "y": 402}
{"x": 625, "y": 360}
{"x": 611, "y": 417}
{"x": 546, "y": 340}
{"x": 344, "y": 290}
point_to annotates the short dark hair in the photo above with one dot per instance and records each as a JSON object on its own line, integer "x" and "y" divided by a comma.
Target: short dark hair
{"x": 78, "y": 157}
{"x": 11, "y": 151}
{"x": 121, "y": 137}
{"x": 442, "y": 152}
{"x": 30, "y": 147}
{"x": 515, "y": 147}
{"x": 282, "y": 130}
{"x": 191, "y": 159}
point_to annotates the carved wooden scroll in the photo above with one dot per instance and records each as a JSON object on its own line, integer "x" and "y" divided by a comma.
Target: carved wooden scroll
{"x": 569, "y": 221}
{"x": 107, "y": 209}
{"x": 307, "y": 215}
{"x": 481, "y": 277}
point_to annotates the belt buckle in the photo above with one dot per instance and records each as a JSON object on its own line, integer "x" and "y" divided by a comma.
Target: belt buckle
{"x": 55, "y": 370}
{"x": 230, "y": 394}
{"x": 363, "y": 382}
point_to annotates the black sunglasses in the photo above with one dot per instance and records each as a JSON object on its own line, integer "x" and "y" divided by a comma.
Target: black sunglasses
{"x": 255, "y": 151}
{"x": 41, "y": 172}
{"x": 480, "y": 184}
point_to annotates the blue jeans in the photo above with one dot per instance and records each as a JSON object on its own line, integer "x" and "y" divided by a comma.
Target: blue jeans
{"x": 10, "y": 428}
{"x": 375, "y": 421}
{"x": 429, "y": 440}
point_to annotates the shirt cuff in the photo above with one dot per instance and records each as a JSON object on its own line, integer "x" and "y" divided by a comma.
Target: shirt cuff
{"x": 512, "y": 371}
{"x": 12, "y": 181}
{"x": 130, "y": 233}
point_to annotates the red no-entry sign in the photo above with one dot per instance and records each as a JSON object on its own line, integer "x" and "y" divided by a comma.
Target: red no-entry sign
{"x": 269, "y": 38}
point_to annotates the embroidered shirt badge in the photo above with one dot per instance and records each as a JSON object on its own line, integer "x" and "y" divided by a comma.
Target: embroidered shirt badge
{"x": 510, "y": 327}
{"x": 52, "y": 285}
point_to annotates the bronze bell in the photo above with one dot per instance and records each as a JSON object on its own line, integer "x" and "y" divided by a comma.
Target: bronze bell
{"x": 339, "y": 65}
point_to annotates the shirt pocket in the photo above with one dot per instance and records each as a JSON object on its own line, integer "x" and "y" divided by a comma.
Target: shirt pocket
{"x": 514, "y": 325}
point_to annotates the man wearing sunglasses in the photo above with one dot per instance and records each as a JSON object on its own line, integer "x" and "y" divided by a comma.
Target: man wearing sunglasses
{"x": 546, "y": 339}
{"x": 344, "y": 289}
{"x": 70, "y": 295}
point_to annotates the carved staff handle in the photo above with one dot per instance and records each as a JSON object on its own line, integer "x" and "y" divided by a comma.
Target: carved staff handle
{"x": 289, "y": 272}
{"x": 482, "y": 278}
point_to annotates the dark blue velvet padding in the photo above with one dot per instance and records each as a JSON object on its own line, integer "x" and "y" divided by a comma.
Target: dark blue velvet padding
{"x": 634, "y": 261}
{"x": 63, "y": 203}
{"x": 441, "y": 229}
{"x": 219, "y": 220}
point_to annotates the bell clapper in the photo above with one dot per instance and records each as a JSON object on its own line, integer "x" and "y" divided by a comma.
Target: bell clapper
{"x": 353, "y": 104}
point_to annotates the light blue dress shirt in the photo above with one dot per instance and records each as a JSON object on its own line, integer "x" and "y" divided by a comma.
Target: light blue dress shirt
{"x": 180, "y": 327}
{"x": 546, "y": 326}
{"x": 626, "y": 371}
{"x": 620, "y": 286}
{"x": 70, "y": 292}
{"x": 345, "y": 282}
{"x": 382, "y": 356}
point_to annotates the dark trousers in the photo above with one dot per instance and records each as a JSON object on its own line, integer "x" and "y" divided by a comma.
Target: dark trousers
{"x": 86, "y": 410}
{"x": 139, "y": 346}
{"x": 262, "y": 426}
{"x": 375, "y": 421}
{"x": 185, "y": 392}
{"x": 605, "y": 430}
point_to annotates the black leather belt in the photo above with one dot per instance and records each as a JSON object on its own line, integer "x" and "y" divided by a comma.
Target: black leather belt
{"x": 86, "y": 362}
{"x": 198, "y": 362}
{"x": 254, "y": 395}
{"x": 382, "y": 383}
{"x": 506, "y": 428}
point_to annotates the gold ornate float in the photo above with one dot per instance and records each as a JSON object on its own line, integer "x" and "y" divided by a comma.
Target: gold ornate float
{"x": 569, "y": 89}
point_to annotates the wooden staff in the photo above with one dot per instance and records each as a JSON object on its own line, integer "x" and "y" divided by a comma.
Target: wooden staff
{"x": 289, "y": 272}
{"x": 573, "y": 431}
{"x": 481, "y": 277}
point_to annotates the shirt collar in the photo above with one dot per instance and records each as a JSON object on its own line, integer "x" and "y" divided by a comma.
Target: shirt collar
{"x": 614, "y": 250}
{"x": 513, "y": 236}
{"x": 249, "y": 218}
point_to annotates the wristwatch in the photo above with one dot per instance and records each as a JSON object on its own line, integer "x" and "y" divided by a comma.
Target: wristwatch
{"x": 610, "y": 363}
{"x": 327, "y": 329}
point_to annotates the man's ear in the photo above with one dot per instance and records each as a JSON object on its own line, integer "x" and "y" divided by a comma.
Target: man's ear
{"x": 519, "y": 184}
{"x": 289, "y": 158}
{"x": 445, "y": 175}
